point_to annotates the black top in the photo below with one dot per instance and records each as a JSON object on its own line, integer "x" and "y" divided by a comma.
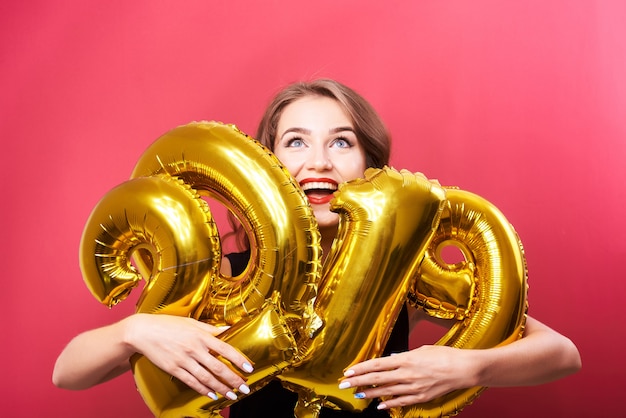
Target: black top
{"x": 272, "y": 400}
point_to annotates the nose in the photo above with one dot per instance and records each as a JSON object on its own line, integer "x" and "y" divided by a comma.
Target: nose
{"x": 319, "y": 160}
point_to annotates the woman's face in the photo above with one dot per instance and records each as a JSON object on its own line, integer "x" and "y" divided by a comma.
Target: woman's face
{"x": 317, "y": 144}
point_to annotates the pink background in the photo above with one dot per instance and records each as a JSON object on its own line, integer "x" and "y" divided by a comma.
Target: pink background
{"x": 523, "y": 103}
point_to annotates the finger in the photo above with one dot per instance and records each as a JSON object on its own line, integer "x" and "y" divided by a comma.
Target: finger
{"x": 192, "y": 381}
{"x": 212, "y": 329}
{"x": 371, "y": 385}
{"x": 211, "y": 376}
{"x": 392, "y": 390}
{"x": 230, "y": 353}
{"x": 402, "y": 394}
{"x": 220, "y": 376}
{"x": 373, "y": 365}
{"x": 400, "y": 401}
{"x": 226, "y": 350}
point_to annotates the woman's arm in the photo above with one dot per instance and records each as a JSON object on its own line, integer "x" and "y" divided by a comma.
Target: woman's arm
{"x": 93, "y": 357}
{"x": 541, "y": 356}
{"x": 420, "y": 375}
{"x": 183, "y": 347}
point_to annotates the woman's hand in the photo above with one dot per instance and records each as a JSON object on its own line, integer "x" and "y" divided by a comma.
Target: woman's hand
{"x": 542, "y": 355}
{"x": 183, "y": 347}
{"x": 189, "y": 350}
{"x": 411, "y": 377}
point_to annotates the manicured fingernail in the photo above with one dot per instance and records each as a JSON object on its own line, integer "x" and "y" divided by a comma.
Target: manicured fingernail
{"x": 247, "y": 367}
{"x": 344, "y": 385}
{"x": 381, "y": 406}
{"x": 244, "y": 389}
{"x": 348, "y": 373}
{"x": 359, "y": 395}
{"x": 212, "y": 396}
{"x": 231, "y": 395}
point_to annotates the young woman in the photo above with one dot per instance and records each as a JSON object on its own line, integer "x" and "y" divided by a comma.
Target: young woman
{"x": 325, "y": 134}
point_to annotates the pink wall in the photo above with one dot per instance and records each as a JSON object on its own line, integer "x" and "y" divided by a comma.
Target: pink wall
{"x": 521, "y": 102}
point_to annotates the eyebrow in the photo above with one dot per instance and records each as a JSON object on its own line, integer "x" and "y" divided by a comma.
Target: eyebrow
{"x": 308, "y": 131}
{"x": 297, "y": 130}
{"x": 342, "y": 129}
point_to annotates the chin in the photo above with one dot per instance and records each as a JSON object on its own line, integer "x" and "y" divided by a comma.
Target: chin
{"x": 326, "y": 219}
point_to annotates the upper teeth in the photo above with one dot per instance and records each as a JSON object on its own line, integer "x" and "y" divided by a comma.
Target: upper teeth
{"x": 319, "y": 185}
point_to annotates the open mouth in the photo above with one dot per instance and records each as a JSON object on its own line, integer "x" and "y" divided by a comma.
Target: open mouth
{"x": 319, "y": 192}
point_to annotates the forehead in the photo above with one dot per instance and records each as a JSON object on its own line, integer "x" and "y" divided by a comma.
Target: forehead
{"x": 314, "y": 111}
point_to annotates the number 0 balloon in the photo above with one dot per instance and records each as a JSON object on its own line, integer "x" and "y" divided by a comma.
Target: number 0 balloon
{"x": 299, "y": 321}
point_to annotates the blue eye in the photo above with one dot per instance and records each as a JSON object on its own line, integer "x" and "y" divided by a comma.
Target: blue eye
{"x": 295, "y": 142}
{"x": 342, "y": 143}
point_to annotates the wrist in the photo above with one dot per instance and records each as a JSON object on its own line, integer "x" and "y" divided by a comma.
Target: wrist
{"x": 477, "y": 367}
{"x": 129, "y": 333}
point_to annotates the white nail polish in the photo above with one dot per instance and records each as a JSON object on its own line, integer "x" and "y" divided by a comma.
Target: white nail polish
{"x": 212, "y": 396}
{"x": 344, "y": 385}
{"x": 247, "y": 367}
{"x": 231, "y": 395}
{"x": 348, "y": 373}
{"x": 244, "y": 389}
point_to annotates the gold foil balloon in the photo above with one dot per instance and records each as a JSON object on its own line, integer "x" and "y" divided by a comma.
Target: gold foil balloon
{"x": 176, "y": 254}
{"x": 486, "y": 293}
{"x": 158, "y": 219}
{"x": 267, "y": 338}
{"x": 387, "y": 221}
{"x": 220, "y": 161}
{"x": 297, "y": 323}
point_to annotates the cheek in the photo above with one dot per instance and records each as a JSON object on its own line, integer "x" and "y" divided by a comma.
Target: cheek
{"x": 290, "y": 163}
{"x": 353, "y": 168}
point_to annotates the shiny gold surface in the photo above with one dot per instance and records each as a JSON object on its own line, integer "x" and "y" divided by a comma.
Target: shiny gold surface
{"x": 486, "y": 293}
{"x": 295, "y": 321}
